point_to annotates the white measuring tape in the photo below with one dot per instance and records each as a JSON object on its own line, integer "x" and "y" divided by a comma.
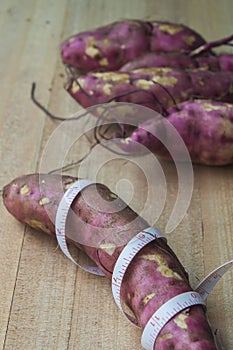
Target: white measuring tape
{"x": 172, "y": 306}
{"x": 165, "y": 313}
{"x": 60, "y": 222}
{"x": 205, "y": 287}
{"x": 124, "y": 259}
{"x": 167, "y": 310}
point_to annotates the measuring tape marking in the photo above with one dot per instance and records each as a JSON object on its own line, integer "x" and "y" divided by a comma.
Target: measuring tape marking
{"x": 60, "y": 222}
{"x": 208, "y": 283}
{"x": 165, "y": 313}
{"x": 128, "y": 253}
{"x": 167, "y": 310}
{"x": 182, "y": 301}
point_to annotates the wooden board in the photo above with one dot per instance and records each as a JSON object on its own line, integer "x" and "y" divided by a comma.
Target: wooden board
{"x": 45, "y": 302}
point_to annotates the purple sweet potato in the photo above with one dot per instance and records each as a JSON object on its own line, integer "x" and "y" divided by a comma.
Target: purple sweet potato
{"x": 154, "y": 276}
{"x": 139, "y": 86}
{"x": 173, "y": 37}
{"x": 109, "y": 47}
{"x": 205, "y": 126}
{"x": 155, "y": 60}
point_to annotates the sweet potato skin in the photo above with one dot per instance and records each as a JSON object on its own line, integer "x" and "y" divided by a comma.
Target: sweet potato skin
{"x": 173, "y": 37}
{"x": 222, "y": 62}
{"x": 153, "y": 277}
{"x": 182, "y": 85}
{"x": 205, "y": 126}
{"x": 109, "y": 47}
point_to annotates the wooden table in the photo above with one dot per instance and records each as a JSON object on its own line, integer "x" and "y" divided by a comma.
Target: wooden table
{"x": 45, "y": 301}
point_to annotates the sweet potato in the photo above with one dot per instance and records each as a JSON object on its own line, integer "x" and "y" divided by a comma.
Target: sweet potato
{"x": 109, "y": 47}
{"x": 139, "y": 86}
{"x": 173, "y": 37}
{"x": 153, "y": 277}
{"x": 205, "y": 126}
{"x": 155, "y": 60}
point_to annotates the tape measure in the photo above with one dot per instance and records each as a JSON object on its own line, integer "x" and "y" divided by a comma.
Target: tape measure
{"x": 60, "y": 222}
{"x": 132, "y": 248}
{"x": 168, "y": 309}
{"x": 165, "y": 313}
{"x": 207, "y": 284}
{"x": 172, "y": 306}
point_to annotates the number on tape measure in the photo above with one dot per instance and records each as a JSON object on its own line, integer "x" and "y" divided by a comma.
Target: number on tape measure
{"x": 165, "y": 313}
{"x": 207, "y": 284}
{"x": 179, "y": 303}
{"x": 128, "y": 253}
{"x": 60, "y": 223}
{"x": 167, "y": 310}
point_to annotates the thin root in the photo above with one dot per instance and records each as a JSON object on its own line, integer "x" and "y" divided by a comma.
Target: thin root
{"x": 73, "y": 164}
{"x": 49, "y": 114}
{"x": 210, "y": 45}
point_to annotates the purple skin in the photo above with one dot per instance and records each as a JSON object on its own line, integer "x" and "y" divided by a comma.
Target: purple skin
{"x": 172, "y": 37}
{"x": 153, "y": 277}
{"x": 109, "y": 47}
{"x": 151, "y": 59}
{"x": 205, "y": 126}
{"x": 182, "y": 85}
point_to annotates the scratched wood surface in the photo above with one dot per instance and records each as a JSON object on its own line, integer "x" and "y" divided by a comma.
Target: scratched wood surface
{"x": 45, "y": 301}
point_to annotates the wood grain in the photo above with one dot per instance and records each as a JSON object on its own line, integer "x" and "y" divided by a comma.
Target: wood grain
{"x": 45, "y": 302}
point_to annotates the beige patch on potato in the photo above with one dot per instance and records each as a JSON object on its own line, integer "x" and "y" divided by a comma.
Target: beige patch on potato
{"x": 180, "y": 321}
{"x": 103, "y": 61}
{"x": 107, "y": 89}
{"x": 91, "y": 49}
{"x": 148, "y": 298}
{"x": 15, "y": 186}
{"x": 189, "y": 39}
{"x": 144, "y": 84}
{"x": 166, "y": 336}
{"x": 170, "y": 29}
{"x": 201, "y": 82}
{"x": 113, "y": 76}
{"x": 205, "y": 67}
{"x": 156, "y": 71}
{"x": 165, "y": 81}
{"x": 134, "y": 23}
{"x": 106, "y": 42}
{"x": 225, "y": 130}
{"x": 25, "y": 190}
{"x": 184, "y": 94}
{"x": 68, "y": 185}
{"x": 39, "y": 225}
{"x": 74, "y": 88}
{"x": 127, "y": 310}
{"x": 92, "y": 52}
{"x": 109, "y": 248}
{"x": 72, "y": 39}
{"x": 208, "y": 106}
{"x": 44, "y": 201}
{"x": 163, "y": 268}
